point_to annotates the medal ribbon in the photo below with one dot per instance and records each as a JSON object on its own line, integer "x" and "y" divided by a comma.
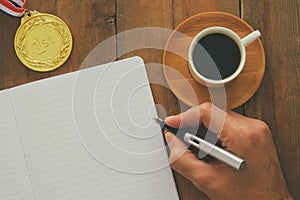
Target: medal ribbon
{"x": 13, "y": 7}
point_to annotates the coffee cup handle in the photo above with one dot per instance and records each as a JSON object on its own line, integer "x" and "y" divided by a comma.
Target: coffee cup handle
{"x": 251, "y": 37}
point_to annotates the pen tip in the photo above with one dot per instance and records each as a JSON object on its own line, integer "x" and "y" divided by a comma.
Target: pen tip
{"x": 159, "y": 121}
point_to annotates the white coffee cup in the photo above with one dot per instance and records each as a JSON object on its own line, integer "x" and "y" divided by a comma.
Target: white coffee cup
{"x": 241, "y": 44}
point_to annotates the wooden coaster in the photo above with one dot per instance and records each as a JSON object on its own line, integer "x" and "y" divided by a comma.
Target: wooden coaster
{"x": 176, "y": 69}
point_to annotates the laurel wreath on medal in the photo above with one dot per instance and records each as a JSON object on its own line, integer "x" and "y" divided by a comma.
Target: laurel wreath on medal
{"x": 64, "y": 52}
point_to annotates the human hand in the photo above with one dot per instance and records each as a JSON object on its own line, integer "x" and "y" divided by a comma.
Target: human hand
{"x": 247, "y": 138}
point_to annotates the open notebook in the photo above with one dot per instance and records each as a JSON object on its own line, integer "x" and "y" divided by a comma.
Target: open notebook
{"x": 84, "y": 135}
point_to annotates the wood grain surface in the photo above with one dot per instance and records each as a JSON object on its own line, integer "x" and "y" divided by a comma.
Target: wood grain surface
{"x": 94, "y": 21}
{"x": 278, "y": 100}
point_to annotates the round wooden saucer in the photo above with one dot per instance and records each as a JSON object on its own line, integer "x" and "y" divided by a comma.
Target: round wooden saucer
{"x": 176, "y": 69}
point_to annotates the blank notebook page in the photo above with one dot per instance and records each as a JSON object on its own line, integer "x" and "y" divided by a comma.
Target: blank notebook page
{"x": 14, "y": 180}
{"x": 90, "y": 135}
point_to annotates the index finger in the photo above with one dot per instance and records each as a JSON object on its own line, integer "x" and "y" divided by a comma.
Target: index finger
{"x": 207, "y": 114}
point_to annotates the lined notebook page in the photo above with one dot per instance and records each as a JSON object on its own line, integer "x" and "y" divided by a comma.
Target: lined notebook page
{"x": 14, "y": 180}
{"x": 76, "y": 141}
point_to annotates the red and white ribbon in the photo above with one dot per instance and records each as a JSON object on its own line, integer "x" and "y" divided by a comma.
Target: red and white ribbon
{"x": 13, "y": 7}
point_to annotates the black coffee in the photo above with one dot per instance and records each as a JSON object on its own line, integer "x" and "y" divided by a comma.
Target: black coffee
{"x": 216, "y": 56}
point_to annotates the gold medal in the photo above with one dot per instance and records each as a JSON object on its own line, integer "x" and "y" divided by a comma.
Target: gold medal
{"x": 43, "y": 42}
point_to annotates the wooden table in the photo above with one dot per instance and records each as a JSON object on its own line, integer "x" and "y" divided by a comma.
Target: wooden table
{"x": 93, "y": 21}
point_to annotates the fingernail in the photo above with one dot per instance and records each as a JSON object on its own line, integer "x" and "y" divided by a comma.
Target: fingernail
{"x": 169, "y": 136}
{"x": 169, "y": 118}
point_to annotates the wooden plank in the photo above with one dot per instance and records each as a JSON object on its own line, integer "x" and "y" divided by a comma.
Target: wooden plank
{"x": 89, "y": 22}
{"x": 168, "y": 14}
{"x": 182, "y": 9}
{"x": 138, "y": 14}
{"x": 277, "y": 101}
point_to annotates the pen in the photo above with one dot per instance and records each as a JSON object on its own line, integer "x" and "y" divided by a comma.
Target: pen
{"x": 206, "y": 147}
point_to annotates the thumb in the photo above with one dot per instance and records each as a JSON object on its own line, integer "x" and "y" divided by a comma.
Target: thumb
{"x": 184, "y": 161}
{"x": 177, "y": 147}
